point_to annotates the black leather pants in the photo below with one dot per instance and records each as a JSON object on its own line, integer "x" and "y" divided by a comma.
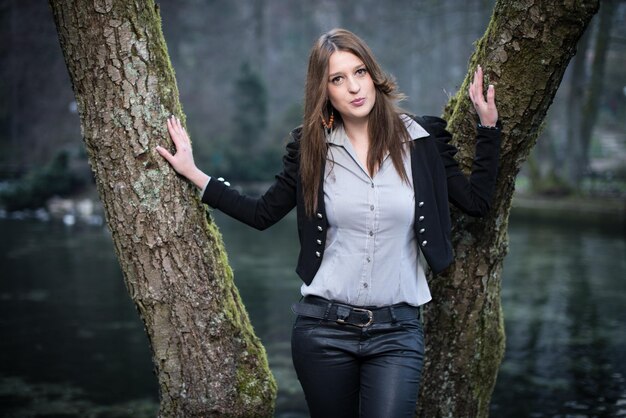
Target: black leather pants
{"x": 347, "y": 371}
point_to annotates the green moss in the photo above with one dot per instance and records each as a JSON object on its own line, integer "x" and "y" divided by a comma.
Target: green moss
{"x": 255, "y": 393}
{"x": 256, "y": 386}
{"x": 168, "y": 89}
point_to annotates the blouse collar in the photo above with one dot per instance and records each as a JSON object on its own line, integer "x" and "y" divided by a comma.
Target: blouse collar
{"x": 338, "y": 135}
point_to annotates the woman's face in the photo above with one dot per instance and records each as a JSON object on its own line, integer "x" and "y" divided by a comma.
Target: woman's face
{"x": 350, "y": 88}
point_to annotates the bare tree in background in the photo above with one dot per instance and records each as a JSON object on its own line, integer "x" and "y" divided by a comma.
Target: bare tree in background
{"x": 579, "y": 142}
{"x": 207, "y": 358}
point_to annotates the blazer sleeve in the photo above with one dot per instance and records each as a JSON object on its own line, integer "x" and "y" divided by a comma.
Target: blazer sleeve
{"x": 472, "y": 195}
{"x": 272, "y": 206}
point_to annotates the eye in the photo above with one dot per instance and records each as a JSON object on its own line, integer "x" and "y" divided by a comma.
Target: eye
{"x": 361, "y": 72}
{"x": 337, "y": 80}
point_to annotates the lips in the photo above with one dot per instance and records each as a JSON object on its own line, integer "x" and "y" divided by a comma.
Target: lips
{"x": 358, "y": 102}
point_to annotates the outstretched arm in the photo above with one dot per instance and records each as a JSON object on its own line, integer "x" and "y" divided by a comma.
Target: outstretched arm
{"x": 182, "y": 161}
{"x": 260, "y": 212}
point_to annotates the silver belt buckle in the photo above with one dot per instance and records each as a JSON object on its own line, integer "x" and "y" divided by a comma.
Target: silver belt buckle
{"x": 370, "y": 318}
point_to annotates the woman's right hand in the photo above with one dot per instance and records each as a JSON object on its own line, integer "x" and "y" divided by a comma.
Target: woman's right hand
{"x": 182, "y": 161}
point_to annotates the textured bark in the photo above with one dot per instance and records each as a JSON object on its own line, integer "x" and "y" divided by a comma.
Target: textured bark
{"x": 207, "y": 359}
{"x": 524, "y": 52}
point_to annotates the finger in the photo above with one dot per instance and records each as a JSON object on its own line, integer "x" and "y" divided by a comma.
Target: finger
{"x": 178, "y": 133}
{"x": 165, "y": 154}
{"x": 475, "y": 90}
{"x": 473, "y": 85}
{"x": 182, "y": 131}
{"x": 491, "y": 96}
{"x": 171, "y": 128}
{"x": 479, "y": 81}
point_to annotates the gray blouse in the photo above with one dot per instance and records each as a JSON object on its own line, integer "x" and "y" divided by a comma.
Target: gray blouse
{"x": 371, "y": 257}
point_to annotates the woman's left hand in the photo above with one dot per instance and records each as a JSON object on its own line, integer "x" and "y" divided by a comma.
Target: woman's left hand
{"x": 486, "y": 109}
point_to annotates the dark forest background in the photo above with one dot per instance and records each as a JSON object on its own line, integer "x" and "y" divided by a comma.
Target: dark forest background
{"x": 240, "y": 68}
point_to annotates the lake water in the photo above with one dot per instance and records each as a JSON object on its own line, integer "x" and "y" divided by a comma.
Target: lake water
{"x": 73, "y": 346}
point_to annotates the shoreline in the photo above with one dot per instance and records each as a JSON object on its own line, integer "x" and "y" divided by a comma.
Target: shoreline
{"x": 604, "y": 212}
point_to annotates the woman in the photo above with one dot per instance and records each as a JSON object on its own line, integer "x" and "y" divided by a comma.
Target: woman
{"x": 371, "y": 186}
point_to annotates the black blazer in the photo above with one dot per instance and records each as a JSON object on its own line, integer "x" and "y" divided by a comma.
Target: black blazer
{"x": 437, "y": 179}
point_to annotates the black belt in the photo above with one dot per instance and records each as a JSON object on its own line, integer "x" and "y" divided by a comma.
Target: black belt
{"x": 320, "y": 308}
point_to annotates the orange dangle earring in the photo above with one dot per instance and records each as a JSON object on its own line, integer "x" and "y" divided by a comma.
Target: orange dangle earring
{"x": 329, "y": 126}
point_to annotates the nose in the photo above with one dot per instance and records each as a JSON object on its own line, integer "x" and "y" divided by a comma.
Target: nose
{"x": 353, "y": 85}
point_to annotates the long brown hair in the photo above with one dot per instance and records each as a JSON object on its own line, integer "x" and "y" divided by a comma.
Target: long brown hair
{"x": 385, "y": 128}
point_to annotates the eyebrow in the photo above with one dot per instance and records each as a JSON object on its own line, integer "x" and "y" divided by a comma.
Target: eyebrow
{"x": 340, "y": 72}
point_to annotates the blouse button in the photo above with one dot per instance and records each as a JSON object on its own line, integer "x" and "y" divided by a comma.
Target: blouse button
{"x": 420, "y": 204}
{"x": 318, "y": 254}
{"x": 319, "y": 228}
{"x": 371, "y": 207}
{"x": 319, "y": 215}
{"x": 319, "y": 242}
{"x": 421, "y": 218}
{"x": 422, "y": 230}
{"x": 371, "y": 233}
{"x": 424, "y": 243}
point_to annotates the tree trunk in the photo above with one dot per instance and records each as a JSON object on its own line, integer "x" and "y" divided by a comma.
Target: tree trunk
{"x": 524, "y": 52}
{"x": 208, "y": 361}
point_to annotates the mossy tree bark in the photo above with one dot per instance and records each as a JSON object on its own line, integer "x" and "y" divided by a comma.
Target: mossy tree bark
{"x": 207, "y": 359}
{"x": 524, "y": 52}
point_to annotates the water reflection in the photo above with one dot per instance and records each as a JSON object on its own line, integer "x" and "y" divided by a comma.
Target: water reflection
{"x": 71, "y": 338}
{"x": 563, "y": 296}
{"x": 72, "y": 335}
